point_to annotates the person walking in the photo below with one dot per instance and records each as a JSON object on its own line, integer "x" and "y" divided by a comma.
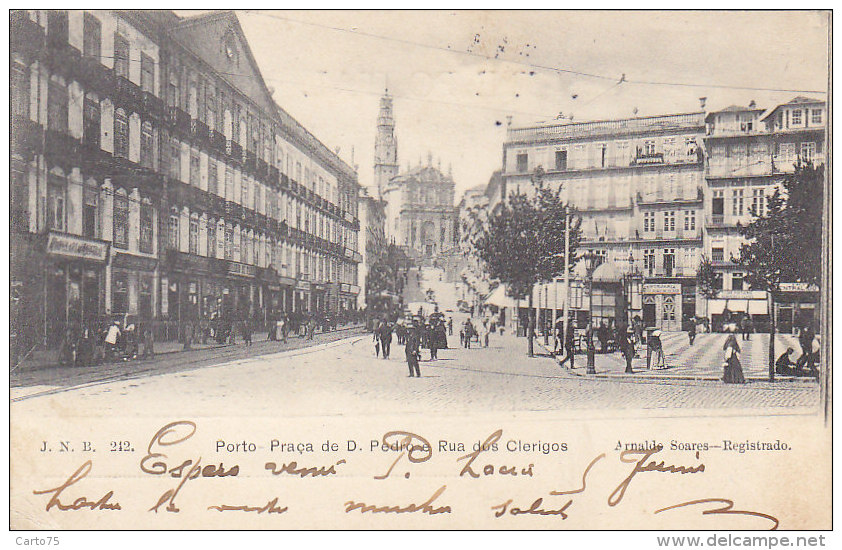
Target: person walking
{"x": 411, "y": 351}
{"x": 247, "y": 332}
{"x": 657, "y": 350}
{"x": 450, "y": 326}
{"x": 569, "y": 345}
{"x": 733, "y": 370}
{"x": 691, "y": 332}
{"x": 744, "y": 325}
{"x": 377, "y": 340}
{"x": 148, "y": 342}
{"x": 111, "y": 339}
{"x": 485, "y": 333}
{"x": 627, "y": 348}
{"x": 805, "y": 340}
{"x": 386, "y": 339}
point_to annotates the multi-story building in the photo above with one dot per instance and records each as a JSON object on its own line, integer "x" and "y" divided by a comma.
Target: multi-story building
{"x": 154, "y": 175}
{"x": 747, "y": 155}
{"x": 473, "y": 212}
{"x": 637, "y": 184}
{"x": 373, "y": 241}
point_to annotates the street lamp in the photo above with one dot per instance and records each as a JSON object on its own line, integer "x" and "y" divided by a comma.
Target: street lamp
{"x": 590, "y": 264}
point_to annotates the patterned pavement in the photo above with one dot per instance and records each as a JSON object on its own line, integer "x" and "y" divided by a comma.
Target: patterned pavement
{"x": 701, "y": 361}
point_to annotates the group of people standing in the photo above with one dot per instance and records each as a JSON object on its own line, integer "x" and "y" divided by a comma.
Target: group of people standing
{"x": 414, "y": 334}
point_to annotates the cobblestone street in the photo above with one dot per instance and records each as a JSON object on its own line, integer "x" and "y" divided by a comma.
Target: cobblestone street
{"x": 341, "y": 376}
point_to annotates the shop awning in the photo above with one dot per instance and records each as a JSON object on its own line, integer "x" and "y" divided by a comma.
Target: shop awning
{"x": 498, "y": 298}
{"x": 758, "y": 307}
{"x": 716, "y": 307}
{"x": 738, "y": 305}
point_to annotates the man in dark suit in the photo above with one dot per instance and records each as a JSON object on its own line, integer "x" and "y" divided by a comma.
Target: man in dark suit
{"x": 411, "y": 349}
{"x": 385, "y": 339}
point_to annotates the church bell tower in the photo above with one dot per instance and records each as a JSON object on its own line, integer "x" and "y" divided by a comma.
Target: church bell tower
{"x": 385, "y": 146}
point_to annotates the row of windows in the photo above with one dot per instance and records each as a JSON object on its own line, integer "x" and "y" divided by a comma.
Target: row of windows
{"x": 669, "y": 221}
{"x": 758, "y": 203}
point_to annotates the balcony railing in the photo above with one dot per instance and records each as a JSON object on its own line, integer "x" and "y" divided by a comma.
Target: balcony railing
{"x": 786, "y": 165}
{"x": 688, "y": 121}
{"x": 27, "y": 36}
{"x": 178, "y": 119}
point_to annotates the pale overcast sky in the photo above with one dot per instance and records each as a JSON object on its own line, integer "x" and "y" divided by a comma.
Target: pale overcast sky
{"x": 328, "y": 70}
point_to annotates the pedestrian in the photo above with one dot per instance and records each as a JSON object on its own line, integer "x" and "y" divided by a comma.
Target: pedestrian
{"x": 111, "y": 339}
{"x": 377, "y": 340}
{"x": 247, "y": 332}
{"x": 386, "y": 339}
{"x": 411, "y": 351}
{"x": 733, "y": 370}
{"x": 569, "y": 345}
{"x": 232, "y": 336}
{"x": 691, "y": 332}
{"x": 450, "y": 326}
{"x": 627, "y": 348}
{"x": 805, "y": 340}
{"x": 485, "y": 332}
{"x": 745, "y": 327}
{"x": 148, "y": 342}
{"x": 188, "y": 336}
{"x": 657, "y": 350}
{"x": 470, "y": 332}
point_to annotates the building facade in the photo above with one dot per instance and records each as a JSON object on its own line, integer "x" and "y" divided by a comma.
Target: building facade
{"x": 747, "y": 155}
{"x": 153, "y": 175}
{"x": 638, "y": 186}
{"x": 373, "y": 239}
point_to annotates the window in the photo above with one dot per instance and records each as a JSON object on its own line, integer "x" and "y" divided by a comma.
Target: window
{"x": 193, "y": 242}
{"x": 737, "y": 281}
{"x": 649, "y": 262}
{"x": 92, "y": 39}
{"x": 229, "y": 183}
{"x": 212, "y": 176}
{"x": 146, "y": 227}
{"x": 195, "y": 167}
{"x": 808, "y": 151}
{"x": 147, "y": 73}
{"x": 689, "y": 220}
{"x": 144, "y": 302}
{"x": 816, "y": 116}
{"x": 173, "y": 90}
{"x": 57, "y": 28}
{"x": 758, "y": 202}
{"x": 19, "y": 81}
{"x": 121, "y": 134}
{"x": 244, "y": 192}
{"x": 522, "y": 162}
{"x": 690, "y": 146}
{"x": 796, "y": 117}
{"x": 649, "y": 147}
{"x": 175, "y": 159}
{"x": 56, "y": 203}
{"x": 648, "y": 222}
{"x": 669, "y": 221}
{"x": 147, "y": 145}
{"x": 669, "y": 262}
{"x": 120, "y": 293}
{"x": 91, "y": 123}
{"x": 121, "y": 220}
{"x": 89, "y": 212}
{"x": 57, "y": 106}
{"x": 737, "y": 202}
{"x": 211, "y": 239}
{"x": 172, "y": 232}
{"x": 121, "y": 56}
{"x": 717, "y": 281}
{"x": 229, "y": 242}
{"x": 717, "y": 254}
{"x": 786, "y": 151}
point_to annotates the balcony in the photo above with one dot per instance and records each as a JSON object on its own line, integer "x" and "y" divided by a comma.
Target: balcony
{"x": 179, "y": 120}
{"x": 250, "y": 161}
{"x": 60, "y": 147}
{"x": 96, "y": 76}
{"x": 754, "y": 167}
{"x": 274, "y": 176}
{"x": 648, "y": 158}
{"x": 128, "y": 94}
{"x": 26, "y": 136}
{"x": 787, "y": 165}
{"x": 234, "y": 151}
{"x": 27, "y": 36}
{"x": 63, "y": 59}
{"x": 262, "y": 170}
{"x": 153, "y": 105}
{"x": 217, "y": 141}
{"x": 285, "y": 184}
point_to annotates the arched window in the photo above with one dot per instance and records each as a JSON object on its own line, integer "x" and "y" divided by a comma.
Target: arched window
{"x": 147, "y": 226}
{"x": 147, "y": 147}
{"x": 121, "y": 134}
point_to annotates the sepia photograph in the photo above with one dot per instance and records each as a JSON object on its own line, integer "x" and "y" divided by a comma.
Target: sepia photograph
{"x": 428, "y": 270}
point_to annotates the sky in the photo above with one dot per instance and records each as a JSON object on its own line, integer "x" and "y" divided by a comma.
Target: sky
{"x": 456, "y": 75}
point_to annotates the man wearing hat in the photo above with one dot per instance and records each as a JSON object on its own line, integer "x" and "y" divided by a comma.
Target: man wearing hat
{"x": 411, "y": 349}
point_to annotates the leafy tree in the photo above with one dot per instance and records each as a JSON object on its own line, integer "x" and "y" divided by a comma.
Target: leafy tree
{"x": 522, "y": 242}
{"x": 707, "y": 279}
{"x": 785, "y": 244}
{"x": 385, "y": 280}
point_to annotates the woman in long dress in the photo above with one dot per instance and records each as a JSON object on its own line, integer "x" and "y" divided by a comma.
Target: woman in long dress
{"x": 733, "y": 369}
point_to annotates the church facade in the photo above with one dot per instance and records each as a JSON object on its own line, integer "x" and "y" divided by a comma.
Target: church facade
{"x": 420, "y": 212}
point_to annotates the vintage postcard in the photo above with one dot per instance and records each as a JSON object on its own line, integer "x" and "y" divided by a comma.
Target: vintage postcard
{"x": 428, "y": 270}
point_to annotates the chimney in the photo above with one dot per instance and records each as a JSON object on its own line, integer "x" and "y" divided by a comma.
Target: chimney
{"x": 752, "y": 104}
{"x": 702, "y": 101}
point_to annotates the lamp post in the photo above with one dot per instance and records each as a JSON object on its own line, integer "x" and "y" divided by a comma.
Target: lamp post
{"x": 590, "y": 259}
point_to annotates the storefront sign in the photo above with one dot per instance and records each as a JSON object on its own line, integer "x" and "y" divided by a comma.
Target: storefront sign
{"x": 286, "y": 281}
{"x": 345, "y": 287}
{"x": 742, "y": 294}
{"x": 662, "y": 289}
{"x": 798, "y": 287}
{"x": 236, "y": 268}
{"x": 302, "y": 285}
{"x": 63, "y": 244}
{"x": 130, "y": 261}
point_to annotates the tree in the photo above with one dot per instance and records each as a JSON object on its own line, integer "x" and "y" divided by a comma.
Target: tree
{"x": 522, "y": 242}
{"x": 384, "y": 281}
{"x": 785, "y": 244}
{"x": 707, "y": 279}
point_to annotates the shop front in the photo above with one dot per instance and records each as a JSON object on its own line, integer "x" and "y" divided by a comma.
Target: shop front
{"x": 662, "y": 306}
{"x": 133, "y": 286}
{"x": 192, "y": 288}
{"x": 796, "y": 306}
{"x": 301, "y": 297}
{"x": 732, "y": 306}
{"x": 74, "y": 281}
{"x": 240, "y": 295}
{"x": 275, "y": 292}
